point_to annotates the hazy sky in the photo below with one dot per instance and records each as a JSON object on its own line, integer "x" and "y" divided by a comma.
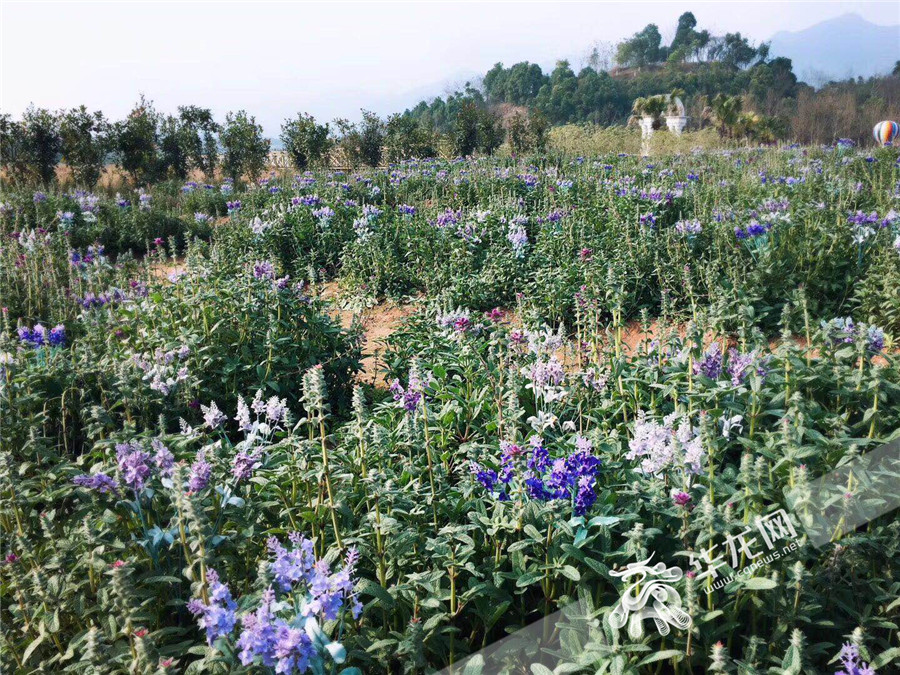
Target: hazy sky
{"x": 328, "y": 59}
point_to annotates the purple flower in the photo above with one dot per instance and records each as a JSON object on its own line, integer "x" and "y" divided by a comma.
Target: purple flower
{"x": 412, "y": 395}
{"x": 39, "y": 336}
{"x": 200, "y": 473}
{"x": 291, "y": 566}
{"x": 518, "y": 238}
{"x": 263, "y": 270}
{"x": 57, "y": 336}
{"x": 324, "y": 214}
{"x": 688, "y": 227}
{"x": 487, "y": 477}
{"x": 681, "y": 498}
{"x": 874, "y": 339}
{"x": 839, "y": 330}
{"x": 164, "y": 459}
{"x": 259, "y": 634}
{"x": 572, "y": 478}
{"x": 218, "y": 617}
{"x": 293, "y": 650}
{"x": 244, "y": 464}
{"x": 849, "y": 657}
{"x": 739, "y": 365}
{"x": 212, "y": 416}
{"x": 711, "y": 363}
{"x": 134, "y": 464}
{"x": 100, "y": 482}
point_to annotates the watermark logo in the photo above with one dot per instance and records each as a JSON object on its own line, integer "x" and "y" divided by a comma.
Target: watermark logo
{"x": 773, "y": 528}
{"x": 649, "y": 585}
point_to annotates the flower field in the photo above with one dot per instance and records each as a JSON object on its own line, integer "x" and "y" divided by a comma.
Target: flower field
{"x": 607, "y": 361}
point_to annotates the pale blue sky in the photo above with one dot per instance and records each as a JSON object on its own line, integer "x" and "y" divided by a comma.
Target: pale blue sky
{"x": 329, "y": 59}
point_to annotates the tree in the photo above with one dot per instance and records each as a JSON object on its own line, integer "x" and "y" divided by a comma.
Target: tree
{"x": 517, "y": 131}
{"x": 13, "y": 153}
{"x": 465, "y": 133}
{"x": 348, "y": 141}
{"x": 599, "y": 98}
{"x": 528, "y": 132}
{"x": 685, "y": 35}
{"x": 135, "y": 142}
{"x": 406, "y": 138}
{"x": 371, "y": 138}
{"x": 642, "y": 48}
{"x": 490, "y": 131}
{"x": 775, "y": 78}
{"x": 42, "y": 142}
{"x": 305, "y": 141}
{"x": 737, "y": 50}
{"x": 896, "y": 71}
{"x": 245, "y": 150}
{"x": 558, "y": 98}
{"x": 174, "y": 144}
{"x": 200, "y": 137}
{"x": 522, "y": 83}
{"x": 538, "y": 130}
{"x": 85, "y": 142}
{"x": 725, "y": 113}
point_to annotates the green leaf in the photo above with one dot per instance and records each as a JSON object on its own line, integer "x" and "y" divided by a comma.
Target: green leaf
{"x": 570, "y": 572}
{"x": 759, "y": 584}
{"x": 885, "y": 657}
{"x": 29, "y": 650}
{"x": 662, "y": 656}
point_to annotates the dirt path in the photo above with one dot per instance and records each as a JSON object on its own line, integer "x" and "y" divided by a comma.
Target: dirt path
{"x": 378, "y": 322}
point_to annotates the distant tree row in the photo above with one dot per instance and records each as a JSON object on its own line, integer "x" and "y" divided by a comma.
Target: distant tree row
{"x": 146, "y": 145}
{"x": 696, "y": 62}
{"x": 149, "y": 146}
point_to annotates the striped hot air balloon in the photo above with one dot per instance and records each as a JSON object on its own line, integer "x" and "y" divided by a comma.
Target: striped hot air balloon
{"x": 885, "y": 132}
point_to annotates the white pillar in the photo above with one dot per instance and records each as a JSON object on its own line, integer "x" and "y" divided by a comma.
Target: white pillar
{"x": 676, "y": 124}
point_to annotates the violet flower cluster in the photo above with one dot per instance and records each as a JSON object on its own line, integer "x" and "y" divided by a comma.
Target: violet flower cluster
{"x": 851, "y": 663}
{"x": 134, "y": 466}
{"x": 536, "y": 475}
{"x": 39, "y": 336}
{"x": 285, "y": 634}
{"x": 412, "y": 394}
{"x": 843, "y": 330}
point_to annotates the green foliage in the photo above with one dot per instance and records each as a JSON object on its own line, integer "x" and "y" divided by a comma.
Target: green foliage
{"x": 555, "y": 301}
{"x": 305, "y": 141}
{"x": 465, "y": 134}
{"x": 14, "y": 157}
{"x": 245, "y": 149}
{"x": 85, "y": 143}
{"x": 41, "y": 142}
{"x": 136, "y": 143}
{"x": 199, "y": 139}
{"x": 407, "y": 138}
{"x": 490, "y": 131}
{"x": 642, "y": 49}
{"x": 371, "y": 138}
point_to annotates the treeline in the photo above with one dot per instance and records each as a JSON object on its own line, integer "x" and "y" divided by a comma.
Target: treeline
{"x": 699, "y": 64}
{"x": 149, "y": 147}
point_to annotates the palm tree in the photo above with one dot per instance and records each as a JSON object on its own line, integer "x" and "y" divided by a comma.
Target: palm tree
{"x": 725, "y": 112}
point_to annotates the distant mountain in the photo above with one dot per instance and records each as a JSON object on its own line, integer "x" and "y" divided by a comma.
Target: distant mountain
{"x": 837, "y": 48}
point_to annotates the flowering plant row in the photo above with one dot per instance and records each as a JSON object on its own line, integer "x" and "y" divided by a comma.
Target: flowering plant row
{"x": 194, "y": 478}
